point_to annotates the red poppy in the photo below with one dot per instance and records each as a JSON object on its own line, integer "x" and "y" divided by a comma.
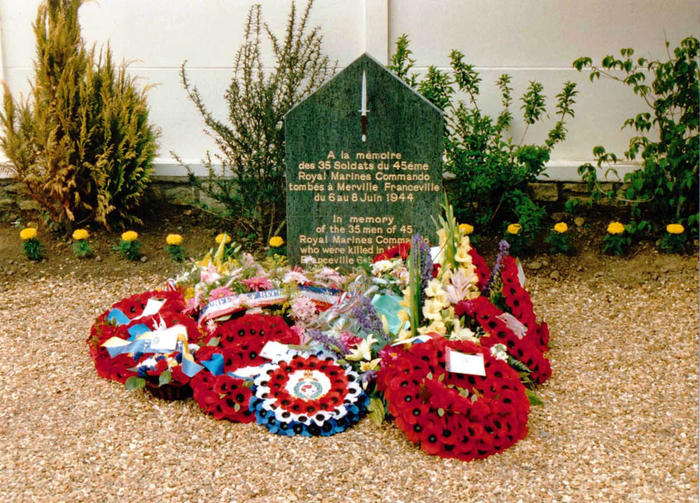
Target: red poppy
{"x": 400, "y": 250}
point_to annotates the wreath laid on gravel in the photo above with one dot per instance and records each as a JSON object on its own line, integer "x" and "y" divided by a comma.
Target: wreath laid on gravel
{"x": 429, "y": 337}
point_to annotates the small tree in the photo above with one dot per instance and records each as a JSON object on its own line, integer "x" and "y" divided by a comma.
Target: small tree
{"x": 81, "y": 143}
{"x": 247, "y": 174}
{"x": 665, "y": 189}
{"x": 492, "y": 170}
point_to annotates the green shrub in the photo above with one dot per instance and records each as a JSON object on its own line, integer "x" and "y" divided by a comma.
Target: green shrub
{"x": 665, "y": 188}
{"x": 247, "y": 174}
{"x": 492, "y": 171}
{"x": 81, "y": 143}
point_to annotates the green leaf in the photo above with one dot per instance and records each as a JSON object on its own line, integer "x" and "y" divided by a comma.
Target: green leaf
{"x": 214, "y": 341}
{"x": 376, "y": 411}
{"x": 534, "y": 399}
{"x": 441, "y": 412}
{"x": 134, "y": 382}
{"x": 165, "y": 378}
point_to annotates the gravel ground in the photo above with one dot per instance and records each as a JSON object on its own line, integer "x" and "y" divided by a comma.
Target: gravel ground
{"x": 619, "y": 420}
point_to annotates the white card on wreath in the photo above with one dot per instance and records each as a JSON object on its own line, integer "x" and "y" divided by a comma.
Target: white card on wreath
{"x": 521, "y": 274}
{"x": 273, "y": 350}
{"x": 152, "y": 307}
{"x": 166, "y": 340}
{"x": 461, "y": 363}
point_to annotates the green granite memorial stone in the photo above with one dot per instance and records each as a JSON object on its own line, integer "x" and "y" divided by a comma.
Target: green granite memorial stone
{"x": 363, "y": 166}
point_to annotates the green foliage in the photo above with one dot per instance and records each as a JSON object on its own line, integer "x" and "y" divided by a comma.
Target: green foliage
{"x": 673, "y": 243}
{"x": 665, "y": 188}
{"x": 134, "y": 382}
{"x": 247, "y": 174}
{"x": 82, "y": 249}
{"x": 519, "y": 243}
{"x": 33, "y": 249}
{"x": 176, "y": 252}
{"x": 129, "y": 249}
{"x": 492, "y": 170}
{"x": 81, "y": 143}
{"x": 617, "y": 244}
{"x": 165, "y": 377}
{"x": 559, "y": 242}
{"x": 377, "y": 412}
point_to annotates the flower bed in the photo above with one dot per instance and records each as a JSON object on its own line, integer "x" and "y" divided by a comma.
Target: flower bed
{"x": 429, "y": 338}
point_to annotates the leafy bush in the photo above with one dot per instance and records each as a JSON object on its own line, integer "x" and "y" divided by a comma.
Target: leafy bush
{"x": 248, "y": 173}
{"x": 81, "y": 143}
{"x": 665, "y": 188}
{"x": 492, "y": 170}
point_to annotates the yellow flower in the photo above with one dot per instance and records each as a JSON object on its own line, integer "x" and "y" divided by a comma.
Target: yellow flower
{"x": 615, "y": 228}
{"x": 80, "y": 234}
{"x": 365, "y": 366}
{"x": 276, "y": 241}
{"x": 27, "y": 233}
{"x": 223, "y": 236}
{"x": 130, "y": 236}
{"x": 466, "y": 229}
{"x": 437, "y": 326}
{"x": 442, "y": 237}
{"x": 675, "y": 229}
{"x": 363, "y": 351}
{"x": 173, "y": 239}
{"x": 561, "y": 227}
{"x": 514, "y": 228}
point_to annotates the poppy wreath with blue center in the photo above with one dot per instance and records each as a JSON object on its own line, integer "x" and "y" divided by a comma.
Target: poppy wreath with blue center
{"x": 308, "y": 394}
{"x": 450, "y": 414}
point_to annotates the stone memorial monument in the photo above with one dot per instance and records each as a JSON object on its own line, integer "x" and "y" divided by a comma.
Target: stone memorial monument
{"x": 363, "y": 166}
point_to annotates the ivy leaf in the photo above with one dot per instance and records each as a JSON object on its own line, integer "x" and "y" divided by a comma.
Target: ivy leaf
{"x": 165, "y": 378}
{"x": 534, "y": 399}
{"x": 376, "y": 411}
{"x": 134, "y": 382}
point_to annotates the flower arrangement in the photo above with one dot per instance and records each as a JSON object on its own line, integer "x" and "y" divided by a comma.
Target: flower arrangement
{"x": 129, "y": 245}
{"x": 558, "y": 239}
{"x": 32, "y": 247}
{"x": 516, "y": 239}
{"x": 81, "y": 245}
{"x": 616, "y": 241}
{"x": 431, "y": 338}
{"x": 173, "y": 245}
{"x": 675, "y": 239}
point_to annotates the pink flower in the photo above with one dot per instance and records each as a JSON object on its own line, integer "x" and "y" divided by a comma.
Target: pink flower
{"x": 258, "y": 283}
{"x": 303, "y": 309}
{"x": 328, "y": 277}
{"x": 209, "y": 275}
{"x": 301, "y": 332}
{"x": 295, "y": 276}
{"x": 349, "y": 340}
{"x": 218, "y": 293}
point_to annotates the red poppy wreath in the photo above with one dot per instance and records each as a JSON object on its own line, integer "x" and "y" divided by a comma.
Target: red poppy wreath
{"x": 451, "y": 414}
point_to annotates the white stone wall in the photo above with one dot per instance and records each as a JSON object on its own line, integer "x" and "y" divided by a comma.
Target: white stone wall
{"x": 529, "y": 39}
